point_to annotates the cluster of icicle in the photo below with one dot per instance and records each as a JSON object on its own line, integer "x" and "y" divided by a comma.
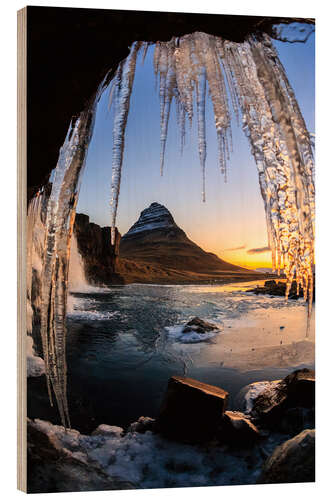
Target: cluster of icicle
{"x": 260, "y": 92}
{"x": 56, "y": 210}
{"x": 261, "y": 95}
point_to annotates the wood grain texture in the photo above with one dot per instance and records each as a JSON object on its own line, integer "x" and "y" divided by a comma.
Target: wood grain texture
{"x": 21, "y": 247}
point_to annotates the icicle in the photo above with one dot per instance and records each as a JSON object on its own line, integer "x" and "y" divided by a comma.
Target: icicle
{"x": 145, "y": 46}
{"x": 201, "y": 105}
{"x": 185, "y": 73}
{"x": 271, "y": 119}
{"x": 58, "y": 230}
{"x": 167, "y": 89}
{"x": 123, "y": 90}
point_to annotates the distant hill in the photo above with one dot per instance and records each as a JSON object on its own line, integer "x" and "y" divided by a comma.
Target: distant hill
{"x": 156, "y": 241}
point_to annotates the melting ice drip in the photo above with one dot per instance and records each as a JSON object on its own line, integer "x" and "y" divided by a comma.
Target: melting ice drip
{"x": 272, "y": 121}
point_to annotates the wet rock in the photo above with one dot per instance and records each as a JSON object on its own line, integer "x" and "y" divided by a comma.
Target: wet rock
{"x": 42, "y": 445}
{"x": 142, "y": 425}
{"x": 199, "y": 326}
{"x": 297, "y": 390}
{"x": 237, "y": 429}
{"x": 191, "y": 411}
{"x": 244, "y": 400}
{"x": 108, "y": 430}
{"x": 291, "y": 462}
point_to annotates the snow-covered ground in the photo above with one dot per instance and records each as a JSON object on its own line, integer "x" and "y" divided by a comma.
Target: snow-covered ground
{"x": 150, "y": 461}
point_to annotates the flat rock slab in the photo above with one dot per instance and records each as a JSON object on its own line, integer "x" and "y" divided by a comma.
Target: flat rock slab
{"x": 191, "y": 411}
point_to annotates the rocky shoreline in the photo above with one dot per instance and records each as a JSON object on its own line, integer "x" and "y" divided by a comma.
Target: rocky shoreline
{"x": 194, "y": 441}
{"x": 278, "y": 288}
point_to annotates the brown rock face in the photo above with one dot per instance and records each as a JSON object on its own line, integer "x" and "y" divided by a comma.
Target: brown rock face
{"x": 291, "y": 462}
{"x": 191, "y": 411}
{"x": 99, "y": 256}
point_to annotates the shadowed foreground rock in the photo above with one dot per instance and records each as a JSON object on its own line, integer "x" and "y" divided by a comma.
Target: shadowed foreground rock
{"x": 237, "y": 429}
{"x": 291, "y": 462}
{"x": 53, "y": 468}
{"x": 143, "y": 425}
{"x": 191, "y": 411}
{"x": 293, "y": 398}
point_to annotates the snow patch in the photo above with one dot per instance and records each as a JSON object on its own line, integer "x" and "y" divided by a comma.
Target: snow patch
{"x": 192, "y": 337}
{"x": 255, "y": 389}
{"x": 150, "y": 461}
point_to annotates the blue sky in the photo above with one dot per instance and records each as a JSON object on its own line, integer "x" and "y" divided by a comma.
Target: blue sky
{"x": 233, "y": 215}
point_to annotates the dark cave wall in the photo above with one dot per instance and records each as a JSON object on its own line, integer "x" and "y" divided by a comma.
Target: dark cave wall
{"x": 71, "y": 50}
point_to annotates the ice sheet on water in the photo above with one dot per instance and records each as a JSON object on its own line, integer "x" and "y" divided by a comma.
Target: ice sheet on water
{"x": 84, "y": 308}
{"x": 92, "y": 315}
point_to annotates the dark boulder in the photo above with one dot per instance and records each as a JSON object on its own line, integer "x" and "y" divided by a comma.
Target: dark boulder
{"x": 237, "y": 429}
{"x": 191, "y": 411}
{"x": 296, "y": 391}
{"x": 53, "y": 468}
{"x": 291, "y": 462}
{"x": 143, "y": 425}
{"x": 199, "y": 326}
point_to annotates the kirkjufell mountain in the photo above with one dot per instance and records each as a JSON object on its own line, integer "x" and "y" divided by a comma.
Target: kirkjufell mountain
{"x": 156, "y": 239}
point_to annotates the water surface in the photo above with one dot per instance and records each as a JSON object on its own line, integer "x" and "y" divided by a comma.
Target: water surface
{"x": 125, "y": 342}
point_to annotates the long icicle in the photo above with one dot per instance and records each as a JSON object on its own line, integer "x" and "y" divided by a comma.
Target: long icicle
{"x": 58, "y": 229}
{"x": 123, "y": 91}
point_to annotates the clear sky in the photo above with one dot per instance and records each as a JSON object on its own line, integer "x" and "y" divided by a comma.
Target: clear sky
{"x": 231, "y": 223}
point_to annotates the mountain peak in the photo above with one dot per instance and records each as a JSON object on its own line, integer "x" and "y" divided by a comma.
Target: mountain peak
{"x": 154, "y": 217}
